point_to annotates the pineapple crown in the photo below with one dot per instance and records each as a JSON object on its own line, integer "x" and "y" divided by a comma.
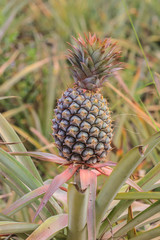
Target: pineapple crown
{"x": 93, "y": 61}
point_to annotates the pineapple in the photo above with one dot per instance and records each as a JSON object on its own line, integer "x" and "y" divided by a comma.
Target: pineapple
{"x": 82, "y": 127}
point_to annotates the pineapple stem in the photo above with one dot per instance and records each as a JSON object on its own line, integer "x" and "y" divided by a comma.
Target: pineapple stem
{"x": 77, "y": 213}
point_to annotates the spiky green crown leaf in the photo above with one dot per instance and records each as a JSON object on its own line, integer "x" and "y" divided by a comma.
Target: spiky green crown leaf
{"x": 93, "y": 61}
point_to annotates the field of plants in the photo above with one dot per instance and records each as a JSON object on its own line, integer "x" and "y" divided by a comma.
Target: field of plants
{"x": 117, "y": 198}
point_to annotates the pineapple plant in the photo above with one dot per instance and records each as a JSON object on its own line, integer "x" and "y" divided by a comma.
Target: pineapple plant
{"x": 82, "y": 126}
{"x": 82, "y": 129}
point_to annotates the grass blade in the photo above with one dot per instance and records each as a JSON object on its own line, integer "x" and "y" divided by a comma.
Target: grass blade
{"x": 140, "y": 46}
{"x": 12, "y": 112}
{"x": 11, "y": 17}
{"x": 136, "y": 108}
{"x": 8, "y": 62}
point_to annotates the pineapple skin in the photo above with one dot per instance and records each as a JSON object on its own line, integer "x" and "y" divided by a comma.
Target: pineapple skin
{"x": 82, "y": 126}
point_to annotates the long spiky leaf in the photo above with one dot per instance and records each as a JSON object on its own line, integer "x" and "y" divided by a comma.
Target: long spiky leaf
{"x": 55, "y": 184}
{"x": 48, "y": 157}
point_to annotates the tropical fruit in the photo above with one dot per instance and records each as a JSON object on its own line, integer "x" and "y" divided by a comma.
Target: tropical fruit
{"x": 82, "y": 126}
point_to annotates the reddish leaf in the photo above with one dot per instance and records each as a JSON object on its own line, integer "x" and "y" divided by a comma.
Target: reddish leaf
{"x": 89, "y": 178}
{"x": 59, "y": 194}
{"x": 96, "y": 172}
{"x": 134, "y": 185}
{"x": 99, "y": 165}
{"x": 49, "y": 228}
{"x": 84, "y": 178}
{"x": 26, "y": 199}
{"x": 48, "y": 157}
{"x": 107, "y": 171}
{"x": 55, "y": 184}
{"x": 64, "y": 189}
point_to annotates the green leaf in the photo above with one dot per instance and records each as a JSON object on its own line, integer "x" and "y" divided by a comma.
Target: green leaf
{"x": 148, "y": 235}
{"x": 5, "y": 218}
{"x": 8, "y": 219}
{"x": 96, "y": 55}
{"x": 121, "y": 172}
{"x": 19, "y": 170}
{"x": 13, "y": 181}
{"x": 8, "y": 227}
{"x": 151, "y": 221}
{"x": 150, "y": 178}
{"x": 77, "y": 213}
{"x": 20, "y": 188}
{"x": 146, "y": 214}
{"x": 146, "y": 183}
{"x": 9, "y": 135}
{"x": 138, "y": 195}
{"x": 50, "y": 227}
{"x": 86, "y": 69}
{"x": 21, "y": 177}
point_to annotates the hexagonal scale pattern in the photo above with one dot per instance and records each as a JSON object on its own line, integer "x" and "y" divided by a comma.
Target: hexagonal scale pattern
{"x": 82, "y": 126}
